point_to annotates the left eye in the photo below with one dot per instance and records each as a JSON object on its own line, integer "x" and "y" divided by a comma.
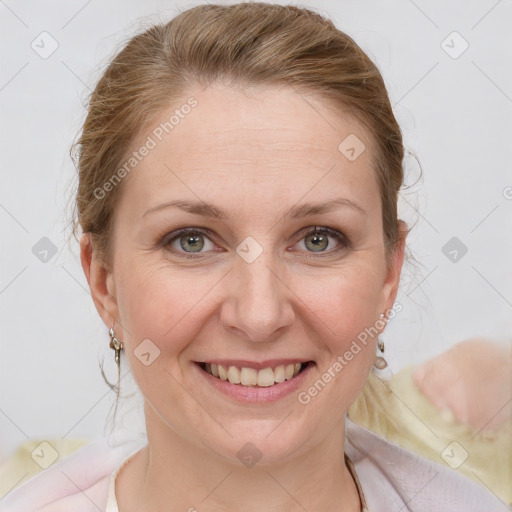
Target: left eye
{"x": 319, "y": 239}
{"x": 192, "y": 241}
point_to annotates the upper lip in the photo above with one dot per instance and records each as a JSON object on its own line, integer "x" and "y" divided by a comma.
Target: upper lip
{"x": 258, "y": 365}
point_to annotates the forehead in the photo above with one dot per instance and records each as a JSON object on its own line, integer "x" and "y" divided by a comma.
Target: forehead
{"x": 275, "y": 142}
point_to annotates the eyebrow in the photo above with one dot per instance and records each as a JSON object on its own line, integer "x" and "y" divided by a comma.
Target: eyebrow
{"x": 295, "y": 212}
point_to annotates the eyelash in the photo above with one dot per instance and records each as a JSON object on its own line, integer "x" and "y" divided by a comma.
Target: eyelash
{"x": 167, "y": 240}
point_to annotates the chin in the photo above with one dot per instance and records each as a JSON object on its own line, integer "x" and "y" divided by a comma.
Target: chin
{"x": 265, "y": 442}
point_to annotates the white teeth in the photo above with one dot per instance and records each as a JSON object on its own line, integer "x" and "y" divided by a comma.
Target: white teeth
{"x": 279, "y": 375}
{"x": 251, "y": 377}
{"x": 266, "y": 377}
{"x": 223, "y": 374}
{"x": 234, "y": 375}
{"x": 248, "y": 376}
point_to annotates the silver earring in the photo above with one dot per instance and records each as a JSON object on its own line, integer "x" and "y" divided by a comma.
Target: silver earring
{"x": 380, "y": 362}
{"x": 380, "y": 366}
{"x": 116, "y": 345}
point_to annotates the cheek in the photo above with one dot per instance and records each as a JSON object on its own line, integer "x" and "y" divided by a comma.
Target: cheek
{"x": 156, "y": 300}
{"x": 170, "y": 306}
{"x": 345, "y": 299}
{"x": 160, "y": 310}
{"x": 344, "y": 310}
{"x": 161, "y": 303}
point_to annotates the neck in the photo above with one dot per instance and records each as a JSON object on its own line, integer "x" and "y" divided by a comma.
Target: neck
{"x": 194, "y": 479}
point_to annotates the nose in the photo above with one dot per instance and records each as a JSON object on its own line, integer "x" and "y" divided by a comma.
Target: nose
{"x": 257, "y": 306}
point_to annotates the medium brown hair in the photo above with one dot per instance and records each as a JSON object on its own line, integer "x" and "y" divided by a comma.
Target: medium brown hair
{"x": 245, "y": 44}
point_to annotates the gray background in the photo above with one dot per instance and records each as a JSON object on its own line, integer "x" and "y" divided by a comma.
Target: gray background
{"x": 455, "y": 113}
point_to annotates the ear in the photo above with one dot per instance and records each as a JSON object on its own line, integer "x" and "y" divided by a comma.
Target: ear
{"x": 394, "y": 268}
{"x": 101, "y": 281}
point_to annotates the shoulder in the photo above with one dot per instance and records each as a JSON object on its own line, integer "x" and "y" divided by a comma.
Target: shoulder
{"x": 80, "y": 482}
{"x": 393, "y": 478}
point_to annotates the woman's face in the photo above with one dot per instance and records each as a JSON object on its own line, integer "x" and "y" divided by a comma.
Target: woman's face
{"x": 255, "y": 288}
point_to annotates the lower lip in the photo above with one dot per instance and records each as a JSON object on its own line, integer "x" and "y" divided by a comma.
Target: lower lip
{"x": 255, "y": 394}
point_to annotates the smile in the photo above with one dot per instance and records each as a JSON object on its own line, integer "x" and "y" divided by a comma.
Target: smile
{"x": 248, "y": 376}
{"x": 255, "y": 383}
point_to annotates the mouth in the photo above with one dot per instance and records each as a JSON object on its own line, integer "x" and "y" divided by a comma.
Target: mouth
{"x": 252, "y": 375}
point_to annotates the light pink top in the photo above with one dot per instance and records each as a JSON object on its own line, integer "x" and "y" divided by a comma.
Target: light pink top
{"x": 111, "y": 496}
{"x": 390, "y": 478}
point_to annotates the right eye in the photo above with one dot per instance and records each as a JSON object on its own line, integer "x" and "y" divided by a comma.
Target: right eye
{"x": 189, "y": 240}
